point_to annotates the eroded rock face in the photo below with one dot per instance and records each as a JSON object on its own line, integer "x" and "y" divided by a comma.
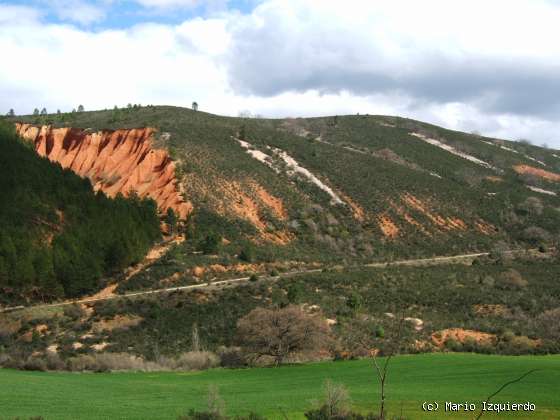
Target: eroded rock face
{"x": 120, "y": 161}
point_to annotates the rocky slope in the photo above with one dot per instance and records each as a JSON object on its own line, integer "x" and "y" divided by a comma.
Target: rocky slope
{"x": 119, "y": 161}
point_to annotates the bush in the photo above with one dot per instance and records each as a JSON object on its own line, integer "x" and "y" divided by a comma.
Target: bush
{"x": 197, "y": 360}
{"x": 54, "y": 362}
{"x": 323, "y": 414}
{"x": 247, "y": 254}
{"x": 35, "y": 363}
{"x": 74, "y": 311}
{"x": 200, "y": 415}
{"x": 106, "y": 362}
{"x": 453, "y": 345}
{"x": 535, "y": 235}
{"x": 232, "y": 357}
{"x": 512, "y": 279}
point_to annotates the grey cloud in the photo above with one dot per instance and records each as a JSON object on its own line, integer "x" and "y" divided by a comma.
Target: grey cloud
{"x": 270, "y": 60}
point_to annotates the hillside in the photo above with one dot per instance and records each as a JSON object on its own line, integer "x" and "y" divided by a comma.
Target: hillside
{"x": 315, "y": 190}
{"x": 299, "y": 210}
{"x": 58, "y": 238}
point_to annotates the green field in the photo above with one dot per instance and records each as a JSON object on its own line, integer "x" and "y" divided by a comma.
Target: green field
{"x": 292, "y": 389}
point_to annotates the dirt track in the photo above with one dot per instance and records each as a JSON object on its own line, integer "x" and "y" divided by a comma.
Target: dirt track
{"x": 453, "y": 259}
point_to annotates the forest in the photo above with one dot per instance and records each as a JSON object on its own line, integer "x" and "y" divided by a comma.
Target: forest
{"x": 59, "y": 238}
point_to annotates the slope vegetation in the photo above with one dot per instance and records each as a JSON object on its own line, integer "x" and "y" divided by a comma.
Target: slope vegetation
{"x": 317, "y": 190}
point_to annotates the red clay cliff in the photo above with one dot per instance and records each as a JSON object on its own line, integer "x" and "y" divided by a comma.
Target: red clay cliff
{"x": 120, "y": 161}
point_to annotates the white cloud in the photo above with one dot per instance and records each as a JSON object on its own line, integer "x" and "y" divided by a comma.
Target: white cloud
{"x": 465, "y": 65}
{"x": 23, "y": 15}
{"x": 168, "y": 3}
{"x": 79, "y": 11}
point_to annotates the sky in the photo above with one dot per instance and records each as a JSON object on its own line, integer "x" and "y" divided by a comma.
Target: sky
{"x": 487, "y": 66}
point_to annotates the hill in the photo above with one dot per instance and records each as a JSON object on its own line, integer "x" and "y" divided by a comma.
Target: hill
{"x": 58, "y": 238}
{"x": 307, "y": 209}
{"x": 326, "y": 189}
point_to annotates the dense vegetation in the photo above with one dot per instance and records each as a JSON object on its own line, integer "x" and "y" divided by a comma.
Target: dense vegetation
{"x": 513, "y": 305}
{"x": 58, "y": 237}
{"x": 288, "y": 391}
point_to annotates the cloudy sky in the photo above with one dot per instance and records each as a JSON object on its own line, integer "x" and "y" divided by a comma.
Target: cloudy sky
{"x": 490, "y": 66}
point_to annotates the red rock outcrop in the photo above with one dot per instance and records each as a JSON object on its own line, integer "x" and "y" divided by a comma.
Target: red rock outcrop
{"x": 120, "y": 161}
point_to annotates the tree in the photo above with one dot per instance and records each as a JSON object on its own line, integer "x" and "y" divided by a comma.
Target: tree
{"x": 280, "y": 333}
{"x": 36, "y": 111}
{"x": 335, "y": 404}
{"x": 211, "y": 243}
{"x": 44, "y": 111}
{"x": 248, "y": 253}
{"x": 354, "y": 302}
{"x": 382, "y": 369}
{"x": 171, "y": 220}
{"x": 58, "y": 112}
{"x": 11, "y": 112}
{"x": 195, "y": 106}
{"x": 80, "y": 108}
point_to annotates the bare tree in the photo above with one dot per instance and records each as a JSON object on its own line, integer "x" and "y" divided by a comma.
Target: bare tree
{"x": 382, "y": 369}
{"x": 279, "y": 333}
{"x": 336, "y": 400}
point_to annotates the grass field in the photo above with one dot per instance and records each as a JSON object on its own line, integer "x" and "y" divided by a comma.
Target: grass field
{"x": 268, "y": 391}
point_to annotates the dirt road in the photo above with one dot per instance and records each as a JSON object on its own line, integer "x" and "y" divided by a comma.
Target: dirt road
{"x": 453, "y": 259}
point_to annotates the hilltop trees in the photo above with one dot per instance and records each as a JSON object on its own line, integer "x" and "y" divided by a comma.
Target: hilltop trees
{"x": 80, "y": 108}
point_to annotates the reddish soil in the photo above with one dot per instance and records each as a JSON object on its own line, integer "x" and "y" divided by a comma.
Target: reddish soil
{"x": 458, "y": 334}
{"x": 120, "y": 161}
{"x": 541, "y": 173}
{"x": 388, "y": 227}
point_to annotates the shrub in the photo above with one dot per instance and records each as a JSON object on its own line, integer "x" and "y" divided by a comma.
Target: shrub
{"x": 232, "y": 357}
{"x": 54, "y": 362}
{"x": 247, "y": 253}
{"x": 536, "y": 235}
{"x": 200, "y": 415}
{"x": 105, "y": 362}
{"x": 197, "y": 360}
{"x": 74, "y": 311}
{"x": 512, "y": 279}
{"x": 323, "y": 414}
{"x": 35, "y": 363}
{"x": 453, "y": 345}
